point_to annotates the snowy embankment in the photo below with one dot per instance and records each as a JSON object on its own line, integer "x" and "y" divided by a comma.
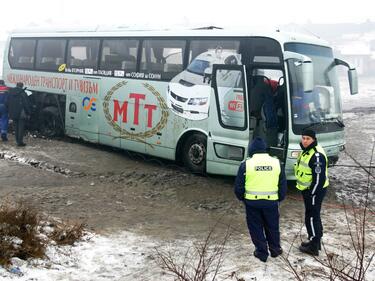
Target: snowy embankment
{"x": 128, "y": 256}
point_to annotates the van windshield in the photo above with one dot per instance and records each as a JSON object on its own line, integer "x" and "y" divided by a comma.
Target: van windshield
{"x": 198, "y": 66}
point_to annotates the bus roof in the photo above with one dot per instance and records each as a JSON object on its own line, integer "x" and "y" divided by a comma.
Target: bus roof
{"x": 280, "y": 36}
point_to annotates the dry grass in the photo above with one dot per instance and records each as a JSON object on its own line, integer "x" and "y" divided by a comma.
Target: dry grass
{"x": 201, "y": 262}
{"x": 21, "y": 232}
{"x": 67, "y": 232}
{"x": 19, "y": 235}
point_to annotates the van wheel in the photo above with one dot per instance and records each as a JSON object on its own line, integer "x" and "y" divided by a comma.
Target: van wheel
{"x": 50, "y": 123}
{"x": 195, "y": 153}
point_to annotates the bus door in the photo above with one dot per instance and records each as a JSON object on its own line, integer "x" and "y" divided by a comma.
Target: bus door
{"x": 88, "y": 118}
{"x": 267, "y": 106}
{"x": 228, "y": 133}
{"x": 72, "y": 115}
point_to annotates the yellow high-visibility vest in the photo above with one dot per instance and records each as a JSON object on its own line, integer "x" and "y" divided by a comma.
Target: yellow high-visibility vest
{"x": 262, "y": 177}
{"x": 303, "y": 171}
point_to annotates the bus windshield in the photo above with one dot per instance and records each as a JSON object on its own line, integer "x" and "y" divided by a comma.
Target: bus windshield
{"x": 319, "y": 109}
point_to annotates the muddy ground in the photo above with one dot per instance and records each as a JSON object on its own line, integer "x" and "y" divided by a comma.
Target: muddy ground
{"x": 113, "y": 189}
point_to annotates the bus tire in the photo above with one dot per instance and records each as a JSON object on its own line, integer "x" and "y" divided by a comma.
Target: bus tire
{"x": 194, "y": 153}
{"x": 50, "y": 123}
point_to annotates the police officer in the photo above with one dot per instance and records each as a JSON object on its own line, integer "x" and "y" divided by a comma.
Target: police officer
{"x": 261, "y": 184}
{"x": 311, "y": 171}
{"x": 4, "y": 111}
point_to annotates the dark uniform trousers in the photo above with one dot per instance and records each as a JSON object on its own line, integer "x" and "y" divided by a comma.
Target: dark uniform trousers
{"x": 313, "y": 222}
{"x": 263, "y": 224}
{"x": 19, "y": 130}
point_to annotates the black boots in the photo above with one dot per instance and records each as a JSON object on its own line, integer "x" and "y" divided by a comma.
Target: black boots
{"x": 261, "y": 257}
{"x": 310, "y": 247}
{"x": 276, "y": 252}
{"x": 306, "y": 243}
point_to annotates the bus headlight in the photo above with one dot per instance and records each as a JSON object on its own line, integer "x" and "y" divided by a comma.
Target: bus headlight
{"x": 295, "y": 154}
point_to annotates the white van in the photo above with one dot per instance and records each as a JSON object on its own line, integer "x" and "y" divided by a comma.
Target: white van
{"x": 189, "y": 91}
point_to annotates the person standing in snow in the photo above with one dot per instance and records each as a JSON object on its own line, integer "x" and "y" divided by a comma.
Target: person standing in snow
{"x": 261, "y": 184}
{"x": 311, "y": 171}
{"x": 19, "y": 111}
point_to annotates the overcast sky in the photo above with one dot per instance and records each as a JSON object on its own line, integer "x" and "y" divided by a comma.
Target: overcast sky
{"x": 169, "y": 13}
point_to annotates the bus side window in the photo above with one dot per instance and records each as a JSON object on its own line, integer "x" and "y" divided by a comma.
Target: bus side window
{"x": 198, "y": 47}
{"x": 164, "y": 57}
{"x": 129, "y": 63}
{"x": 50, "y": 54}
{"x": 83, "y": 53}
{"x": 119, "y": 54}
{"x": 75, "y": 62}
{"x": 21, "y": 53}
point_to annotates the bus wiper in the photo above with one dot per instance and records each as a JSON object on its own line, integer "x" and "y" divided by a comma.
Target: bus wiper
{"x": 311, "y": 125}
{"x": 337, "y": 121}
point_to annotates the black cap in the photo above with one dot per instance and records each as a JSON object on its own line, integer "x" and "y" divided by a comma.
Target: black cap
{"x": 257, "y": 145}
{"x": 309, "y": 133}
{"x": 19, "y": 85}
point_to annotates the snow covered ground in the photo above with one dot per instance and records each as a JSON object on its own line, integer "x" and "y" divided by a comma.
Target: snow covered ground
{"x": 127, "y": 256}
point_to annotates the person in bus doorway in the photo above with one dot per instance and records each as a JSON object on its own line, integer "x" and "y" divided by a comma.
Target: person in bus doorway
{"x": 311, "y": 171}
{"x": 261, "y": 184}
{"x": 269, "y": 113}
{"x": 4, "y": 111}
{"x": 19, "y": 111}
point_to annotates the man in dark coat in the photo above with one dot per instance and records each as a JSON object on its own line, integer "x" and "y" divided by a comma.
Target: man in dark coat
{"x": 19, "y": 110}
{"x": 261, "y": 184}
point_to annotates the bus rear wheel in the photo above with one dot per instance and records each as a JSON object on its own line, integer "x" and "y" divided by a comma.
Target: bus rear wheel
{"x": 50, "y": 123}
{"x": 195, "y": 153}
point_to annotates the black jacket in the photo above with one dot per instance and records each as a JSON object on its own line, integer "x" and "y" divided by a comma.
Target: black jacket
{"x": 18, "y": 101}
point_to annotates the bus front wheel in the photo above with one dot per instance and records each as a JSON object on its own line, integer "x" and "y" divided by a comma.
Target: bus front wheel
{"x": 195, "y": 152}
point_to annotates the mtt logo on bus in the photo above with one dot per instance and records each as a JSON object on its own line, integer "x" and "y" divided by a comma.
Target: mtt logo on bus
{"x": 122, "y": 109}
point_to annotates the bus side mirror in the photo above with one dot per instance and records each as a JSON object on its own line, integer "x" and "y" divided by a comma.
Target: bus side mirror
{"x": 353, "y": 81}
{"x": 352, "y": 76}
{"x": 304, "y": 69}
{"x": 307, "y": 75}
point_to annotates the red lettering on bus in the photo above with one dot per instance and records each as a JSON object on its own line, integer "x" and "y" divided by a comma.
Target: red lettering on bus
{"x": 235, "y": 105}
{"x": 123, "y": 110}
{"x": 136, "y": 98}
{"x": 149, "y": 108}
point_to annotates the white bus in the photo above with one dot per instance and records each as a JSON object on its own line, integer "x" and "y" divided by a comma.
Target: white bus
{"x": 196, "y": 96}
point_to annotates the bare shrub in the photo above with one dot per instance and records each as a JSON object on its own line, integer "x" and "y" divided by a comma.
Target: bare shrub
{"x": 66, "y": 232}
{"x": 203, "y": 261}
{"x": 21, "y": 232}
{"x": 19, "y": 235}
